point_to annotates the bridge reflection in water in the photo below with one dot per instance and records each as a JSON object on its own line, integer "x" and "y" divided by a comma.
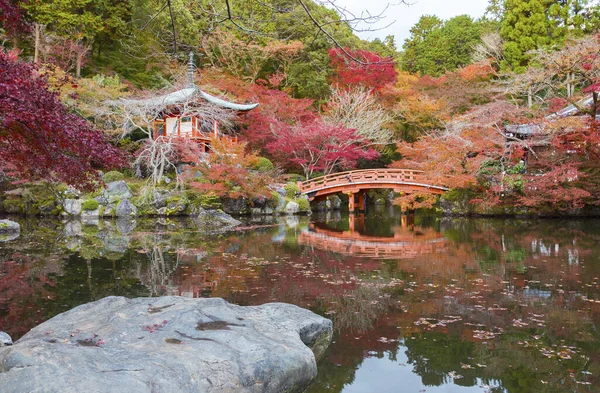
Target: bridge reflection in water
{"x": 408, "y": 240}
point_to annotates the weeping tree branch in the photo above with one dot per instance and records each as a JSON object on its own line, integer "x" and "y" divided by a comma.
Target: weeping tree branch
{"x": 159, "y": 155}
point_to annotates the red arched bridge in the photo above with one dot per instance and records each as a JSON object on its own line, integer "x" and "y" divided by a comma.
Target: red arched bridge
{"x": 357, "y": 183}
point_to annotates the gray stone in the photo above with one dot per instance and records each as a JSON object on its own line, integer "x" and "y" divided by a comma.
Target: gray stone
{"x": 160, "y": 199}
{"x": 72, "y": 207}
{"x": 292, "y": 208}
{"x": 73, "y": 229}
{"x": 176, "y": 208}
{"x": 214, "y": 220}
{"x": 101, "y": 200}
{"x": 126, "y": 209}
{"x": 168, "y": 344}
{"x": 324, "y": 206}
{"x": 90, "y": 214}
{"x": 5, "y": 339}
{"x": 237, "y": 206}
{"x": 125, "y": 225}
{"x": 90, "y": 220}
{"x": 9, "y": 230}
{"x": 71, "y": 192}
{"x": 116, "y": 191}
{"x": 336, "y": 202}
{"x": 280, "y": 190}
{"x": 259, "y": 203}
{"x": 280, "y": 208}
{"x": 379, "y": 201}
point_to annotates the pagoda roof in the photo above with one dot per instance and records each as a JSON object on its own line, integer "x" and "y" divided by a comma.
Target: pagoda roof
{"x": 188, "y": 94}
{"x": 574, "y": 108}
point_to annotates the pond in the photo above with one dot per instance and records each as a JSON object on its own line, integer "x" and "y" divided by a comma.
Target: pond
{"x": 419, "y": 303}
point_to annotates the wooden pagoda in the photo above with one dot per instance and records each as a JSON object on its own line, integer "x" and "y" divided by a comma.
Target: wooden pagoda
{"x": 175, "y": 120}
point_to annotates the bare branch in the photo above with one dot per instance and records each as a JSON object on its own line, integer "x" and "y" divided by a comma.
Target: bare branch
{"x": 358, "y": 109}
{"x": 173, "y": 26}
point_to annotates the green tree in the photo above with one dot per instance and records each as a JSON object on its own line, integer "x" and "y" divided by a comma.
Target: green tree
{"x": 524, "y": 28}
{"x": 92, "y": 24}
{"x": 437, "y": 46}
{"x": 535, "y": 24}
{"x": 573, "y": 18}
{"x": 413, "y": 46}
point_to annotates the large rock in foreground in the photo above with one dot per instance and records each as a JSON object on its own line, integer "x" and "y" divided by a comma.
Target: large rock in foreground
{"x": 168, "y": 344}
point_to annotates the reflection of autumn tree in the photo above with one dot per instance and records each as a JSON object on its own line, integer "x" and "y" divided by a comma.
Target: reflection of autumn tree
{"x": 21, "y": 284}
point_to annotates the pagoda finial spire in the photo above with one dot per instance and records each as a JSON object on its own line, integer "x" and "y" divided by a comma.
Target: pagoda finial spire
{"x": 191, "y": 70}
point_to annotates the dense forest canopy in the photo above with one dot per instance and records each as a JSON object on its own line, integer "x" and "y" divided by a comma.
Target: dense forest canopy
{"x": 440, "y": 102}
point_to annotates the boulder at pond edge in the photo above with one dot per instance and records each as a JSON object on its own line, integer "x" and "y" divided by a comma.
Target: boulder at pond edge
{"x": 9, "y": 230}
{"x": 168, "y": 344}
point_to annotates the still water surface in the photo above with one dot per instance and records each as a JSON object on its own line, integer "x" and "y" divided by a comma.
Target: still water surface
{"x": 419, "y": 303}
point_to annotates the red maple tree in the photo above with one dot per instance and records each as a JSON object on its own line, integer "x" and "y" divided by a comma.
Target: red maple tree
{"x": 372, "y": 71}
{"x": 317, "y": 146}
{"x": 39, "y": 137}
{"x": 12, "y": 17}
{"x": 275, "y": 107}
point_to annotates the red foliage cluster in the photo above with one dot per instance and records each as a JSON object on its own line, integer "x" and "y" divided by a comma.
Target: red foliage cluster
{"x": 317, "y": 146}
{"x": 477, "y": 71}
{"x": 39, "y": 137}
{"x": 375, "y": 72}
{"x": 275, "y": 107}
{"x": 12, "y": 18}
{"x": 226, "y": 172}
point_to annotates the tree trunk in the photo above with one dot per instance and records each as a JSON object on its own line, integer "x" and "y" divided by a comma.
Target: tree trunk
{"x": 78, "y": 64}
{"x": 571, "y": 85}
{"x": 36, "y": 53}
{"x": 529, "y": 97}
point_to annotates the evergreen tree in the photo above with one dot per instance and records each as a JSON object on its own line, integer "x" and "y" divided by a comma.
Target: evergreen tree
{"x": 534, "y": 24}
{"x": 436, "y": 46}
{"x": 573, "y": 18}
{"x": 524, "y": 28}
{"x": 412, "y": 59}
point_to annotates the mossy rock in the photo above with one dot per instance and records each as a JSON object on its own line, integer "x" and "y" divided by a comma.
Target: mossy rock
{"x": 273, "y": 200}
{"x": 113, "y": 176}
{"x": 291, "y": 190}
{"x": 90, "y": 204}
{"x": 263, "y": 165}
{"x": 14, "y": 205}
{"x": 303, "y": 204}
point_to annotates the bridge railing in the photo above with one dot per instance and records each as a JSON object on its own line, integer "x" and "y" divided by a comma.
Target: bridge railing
{"x": 361, "y": 176}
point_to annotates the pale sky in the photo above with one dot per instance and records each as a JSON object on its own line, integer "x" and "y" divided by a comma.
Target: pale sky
{"x": 405, "y": 16}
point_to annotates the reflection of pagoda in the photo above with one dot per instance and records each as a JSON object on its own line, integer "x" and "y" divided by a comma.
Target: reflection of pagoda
{"x": 407, "y": 241}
